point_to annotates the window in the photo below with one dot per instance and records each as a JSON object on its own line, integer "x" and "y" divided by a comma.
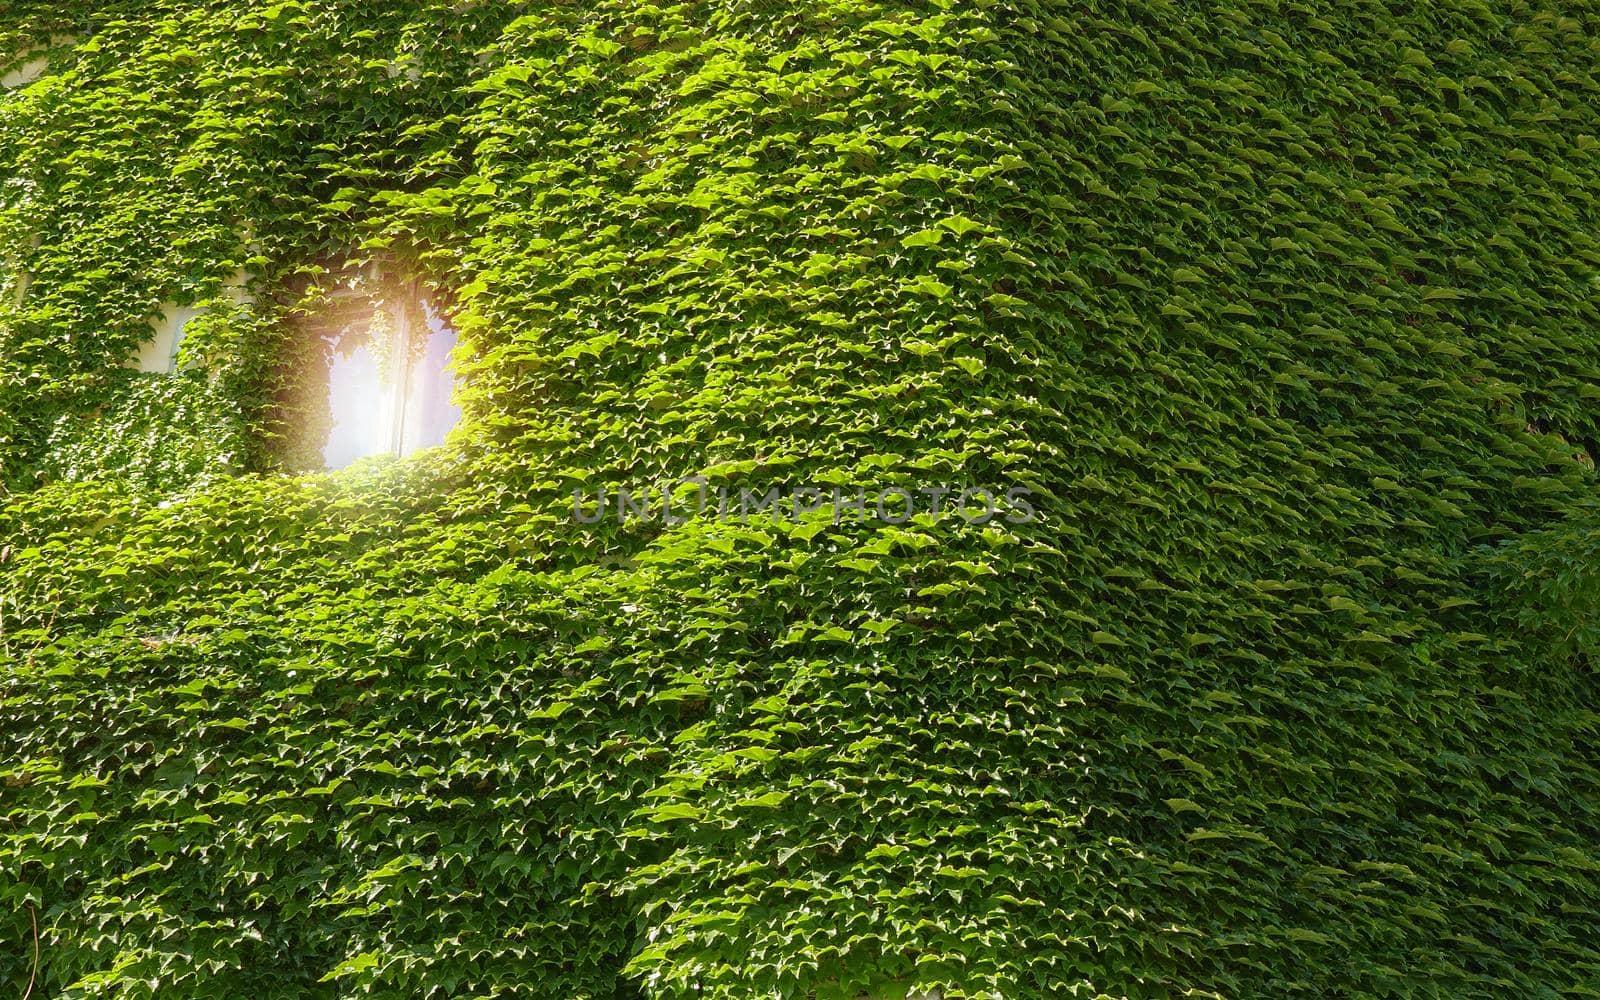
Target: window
{"x": 389, "y": 382}
{"x": 21, "y": 72}
{"x": 19, "y": 69}
{"x": 160, "y": 353}
{"x": 13, "y": 269}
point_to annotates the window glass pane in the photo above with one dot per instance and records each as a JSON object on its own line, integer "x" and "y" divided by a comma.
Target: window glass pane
{"x": 361, "y": 399}
{"x": 429, "y": 409}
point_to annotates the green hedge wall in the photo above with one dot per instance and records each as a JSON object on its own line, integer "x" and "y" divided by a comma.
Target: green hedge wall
{"x": 1286, "y": 312}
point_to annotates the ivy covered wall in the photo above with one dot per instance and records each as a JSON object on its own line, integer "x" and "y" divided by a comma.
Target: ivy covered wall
{"x": 1285, "y": 313}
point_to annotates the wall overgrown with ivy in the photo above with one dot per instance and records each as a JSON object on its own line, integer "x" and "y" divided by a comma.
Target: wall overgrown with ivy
{"x": 1286, "y": 312}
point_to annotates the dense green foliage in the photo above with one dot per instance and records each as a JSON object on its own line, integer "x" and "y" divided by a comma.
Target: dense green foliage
{"x": 1287, "y": 313}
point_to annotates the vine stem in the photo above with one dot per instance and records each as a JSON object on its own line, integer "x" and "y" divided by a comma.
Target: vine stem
{"x": 33, "y": 918}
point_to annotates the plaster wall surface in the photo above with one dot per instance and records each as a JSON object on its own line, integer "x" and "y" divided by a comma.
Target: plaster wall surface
{"x": 24, "y": 74}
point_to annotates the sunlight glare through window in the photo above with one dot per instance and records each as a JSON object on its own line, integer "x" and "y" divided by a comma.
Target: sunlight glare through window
{"x": 395, "y": 404}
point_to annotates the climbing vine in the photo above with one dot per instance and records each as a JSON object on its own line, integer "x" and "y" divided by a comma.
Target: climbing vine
{"x": 1283, "y": 314}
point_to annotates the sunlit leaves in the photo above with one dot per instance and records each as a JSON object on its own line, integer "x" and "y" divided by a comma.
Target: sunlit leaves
{"x": 1281, "y": 313}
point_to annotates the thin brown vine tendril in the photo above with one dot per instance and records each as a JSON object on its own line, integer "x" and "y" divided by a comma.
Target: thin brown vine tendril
{"x": 33, "y": 975}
